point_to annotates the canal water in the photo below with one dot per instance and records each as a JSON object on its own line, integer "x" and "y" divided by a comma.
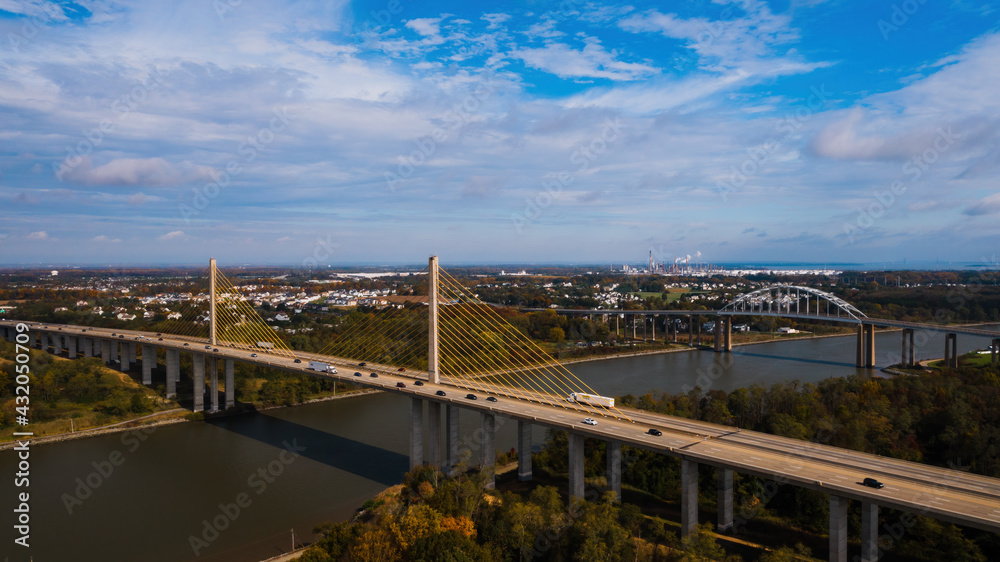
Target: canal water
{"x": 234, "y": 490}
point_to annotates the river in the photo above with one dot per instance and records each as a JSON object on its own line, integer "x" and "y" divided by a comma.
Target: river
{"x": 147, "y": 496}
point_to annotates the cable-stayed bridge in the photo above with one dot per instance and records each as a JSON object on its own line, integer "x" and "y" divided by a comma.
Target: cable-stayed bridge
{"x": 455, "y": 351}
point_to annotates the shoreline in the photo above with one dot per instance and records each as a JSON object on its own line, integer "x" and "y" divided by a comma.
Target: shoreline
{"x": 136, "y": 423}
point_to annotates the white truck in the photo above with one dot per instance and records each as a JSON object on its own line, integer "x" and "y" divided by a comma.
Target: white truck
{"x": 320, "y": 366}
{"x": 591, "y": 399}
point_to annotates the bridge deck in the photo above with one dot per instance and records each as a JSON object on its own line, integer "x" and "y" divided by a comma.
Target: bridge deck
{"x": 949, "y": 495}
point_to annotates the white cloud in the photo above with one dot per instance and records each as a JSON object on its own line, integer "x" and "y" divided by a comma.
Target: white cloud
{"x": 987, "y": 206}
{"x": 138, "y": 172}
{"x": 103, "y": 238}
{"x": 593, "y": 61}
{"x": 174, "y": 235}
{"x": 428, "y": 27}
{"x": 37, "y": 9}
{"x": 40, "y": 235}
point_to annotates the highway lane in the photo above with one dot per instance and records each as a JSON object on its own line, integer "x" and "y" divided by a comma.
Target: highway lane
{"x": 950, "y": 495}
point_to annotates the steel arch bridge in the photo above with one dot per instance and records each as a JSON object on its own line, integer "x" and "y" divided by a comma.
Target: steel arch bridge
{"x": 793, "y": 300}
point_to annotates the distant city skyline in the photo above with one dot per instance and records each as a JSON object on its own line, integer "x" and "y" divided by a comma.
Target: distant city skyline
{"x": 564, "y": 132}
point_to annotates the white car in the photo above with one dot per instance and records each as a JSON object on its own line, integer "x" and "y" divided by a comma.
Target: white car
{"x": 589, "y": 421}
{"x": 253, "y": 355}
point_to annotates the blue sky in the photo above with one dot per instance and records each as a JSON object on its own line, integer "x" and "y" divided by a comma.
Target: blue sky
{"x": 573, "y": 131}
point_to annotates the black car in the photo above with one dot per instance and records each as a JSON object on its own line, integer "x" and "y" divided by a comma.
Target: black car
{"x": 491, "y": 399}
{"x": 357, "y": 374}
{"x": 362, "y": 364}
{"x": 159, "y": 339}
{"x": 418, "y": 383}
{"x": 440, "y": 393}
{"x": 113, "y": 334}
{"x": 216, "y": 350}
{"x": 400, "y": 385}
{"x": 471, "y": 396}
{"x": 83, "y": 330}
{"x": 185, "y": 343}
{"x": 208, "y": 347}
{"x": 656, "y": 432}
{"x": 298, "y": 360}
{"x": 872, "y": 483}
{"x": 373, "y": 375}
{"x": 159, "y": 334}
{"x": 121, "y": 337}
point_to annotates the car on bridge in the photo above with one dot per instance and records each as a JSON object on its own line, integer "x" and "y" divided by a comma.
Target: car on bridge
{"x": 491, "y": 399}
{"x": 400, "y": 385}
{"x": 362, "y": 364}
{"x": 357, "y": 374}
{"x": 471, "y": 396}
{"x": 373, "y": 375}
{"x": 401, "y": 369}
{"x": 872, "y": 483}
{"x": 589, "y": 421}
{"x": 440, "y": 393}
{"x": 418, "y": 383}
{"x": 253, "y": 355}
{"x": 208, "y": 347}
{"x": 298, "y": 360}
{"x": 654, "y": 431}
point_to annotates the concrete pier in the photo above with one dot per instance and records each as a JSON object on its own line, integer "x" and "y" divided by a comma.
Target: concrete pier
{"x": 71, "y": 347}
{"x": 230, "y": 384}
{"x": 451, "y": 438}
{"x": 838, "y": 529}
{"x": 869, "y": 532}
{"x": 88, "y": 346}
{"x": 576, "y": 484}
{"x": 951, "y": 350}
{"x": 213, "y": 384}
{"x": 434, "y": 433}
{"x": 995, "y": 352}
{"x": 488, "y": 455}
{"x": 614, "y": 468}
{"x": 416, "y": 432}
{"x": 523, "y": 451}
{"x": 906, "y": 356}
{"x": 198, "y": 391}
{"x": 689, "y": 497}
{"x": 148, "y": 362}
{"x": 173, "y": 371}
{"x": 725, "y": 500}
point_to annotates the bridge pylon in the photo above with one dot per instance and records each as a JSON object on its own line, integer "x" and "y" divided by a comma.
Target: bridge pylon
{"x": 211, "y": 302}
{"x": 433, "y": 365}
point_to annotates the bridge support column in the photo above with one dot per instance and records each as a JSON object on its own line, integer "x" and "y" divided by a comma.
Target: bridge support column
{"x": 689, "y": 497}
{"x": 652, "y": 326}
{"x": 576, "y": 488}
{"x": 434, "y": 433}
{"x": 148, "y": 361}
{"x": 838, "y": 529}
{"x": 633, "y": 326}
{"x": 869, "y": 532}
{"x": 523, "y": 451}
{"x": 995, "y": 353}
{"x": 198, "y": 391}
{"x": 88, "y": 347}
{"x": 951, "y": 350}
{"x": 725, "y": 499}
{"x": 173, "y": 371}
{"x": 123, "y": 358}
{"x": 614, "y": 468}
{"x": 416, "y": 432}
{"x": 718, "y": 334}
{"x": 451, "y": 438}
{"x": 869, "y": 345}
{"x": 698, "y": 329}
{"x": 727, "y": 344}
{"x": 690, "y": 330}
{"x": 673, "y": 329}
{"x": 105, "y": 351}
{"x": 213, "y": 385}
{"x": 860, "y": 361}
{"x": 71, "y": 347}
{"x": 230, "y": 384}
{"x": 488, "y": 456}
{"x": 35, "y": 339}
{"x": 906, "y": 355}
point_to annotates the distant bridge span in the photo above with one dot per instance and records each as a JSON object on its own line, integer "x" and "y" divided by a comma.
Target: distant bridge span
{"x": 801, "y": 303}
